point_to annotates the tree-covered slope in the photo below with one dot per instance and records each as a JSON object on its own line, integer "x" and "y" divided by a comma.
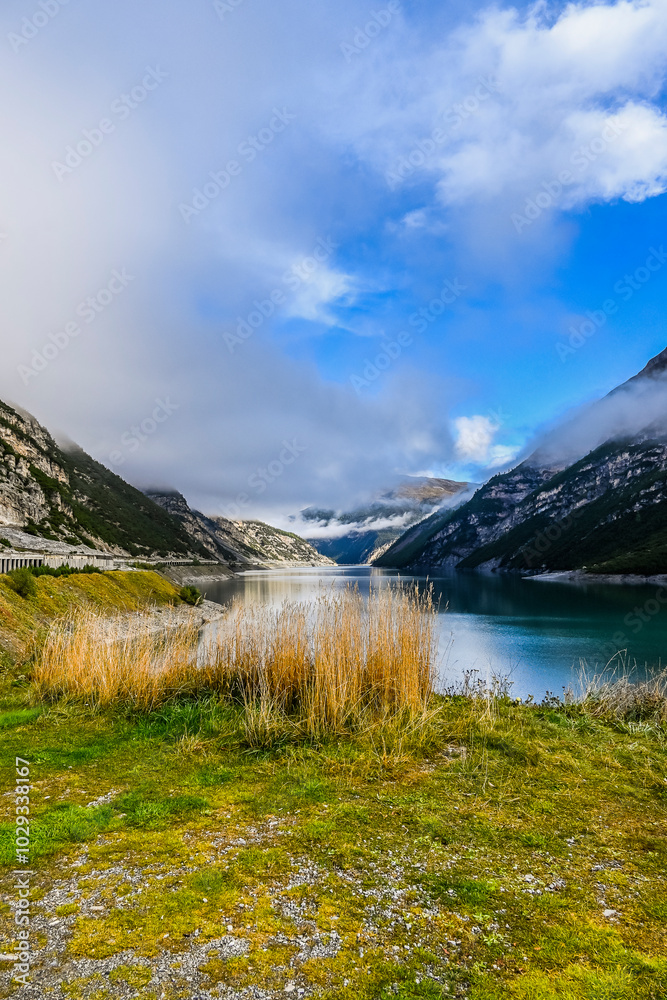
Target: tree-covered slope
{"x": 607, "y": 513}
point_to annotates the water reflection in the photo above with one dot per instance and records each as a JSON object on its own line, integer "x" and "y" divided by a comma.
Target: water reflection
{"x": 536, "y": 632}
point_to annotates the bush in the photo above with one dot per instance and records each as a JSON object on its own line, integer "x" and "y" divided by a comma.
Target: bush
{"x": 23, "y": 582}
{"x": 62, "y": 570}
{"x": 191, "y": 595}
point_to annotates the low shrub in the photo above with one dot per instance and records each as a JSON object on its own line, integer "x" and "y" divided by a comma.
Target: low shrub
{"x": 627, "y": 699}
{"x": 22, "y": 581}
{"x": 191, "y": 595}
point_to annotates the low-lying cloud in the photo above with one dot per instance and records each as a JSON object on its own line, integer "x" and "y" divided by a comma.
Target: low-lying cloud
{"x": 521, "y": 94}
{"x": 634, "y": 411}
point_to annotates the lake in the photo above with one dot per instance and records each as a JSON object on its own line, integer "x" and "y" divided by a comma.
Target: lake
{"x": 534, "y": 631}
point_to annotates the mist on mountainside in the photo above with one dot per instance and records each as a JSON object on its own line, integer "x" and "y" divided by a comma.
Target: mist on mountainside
{"x": 635, "y": 410}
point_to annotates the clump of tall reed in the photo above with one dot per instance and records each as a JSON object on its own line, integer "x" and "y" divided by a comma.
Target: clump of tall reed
{"x": 107, "y": 661}
{"x": 337, "y": 664}
{"x": 617, "y": 694}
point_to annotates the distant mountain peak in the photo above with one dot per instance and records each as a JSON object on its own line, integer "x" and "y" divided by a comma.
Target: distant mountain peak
{"x": 361, "y": 534}
{"x": 656, "y": 365}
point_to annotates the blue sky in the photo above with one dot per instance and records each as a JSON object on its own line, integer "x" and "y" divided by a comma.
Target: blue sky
{"x": 374, "y": 232}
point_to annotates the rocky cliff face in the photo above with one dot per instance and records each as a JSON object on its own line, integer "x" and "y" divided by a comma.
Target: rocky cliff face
{"x": 276, "y": 546}
{"x": 25, "y": 446}
{"x": 64, "y": 496}
{"x": 606, "y": 512}
{"x": 203, "y": 531}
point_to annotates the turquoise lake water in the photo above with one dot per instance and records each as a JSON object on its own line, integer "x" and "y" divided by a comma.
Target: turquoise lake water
{"x": 536, "y": 632}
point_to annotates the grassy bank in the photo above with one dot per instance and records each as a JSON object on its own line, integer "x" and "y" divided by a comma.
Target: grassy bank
{"x": 22, "y": 620}
{"x": 302, "y": 816}
{"x": 520, "y": 854}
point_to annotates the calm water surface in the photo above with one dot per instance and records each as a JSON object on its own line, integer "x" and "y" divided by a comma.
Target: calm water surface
{"x": 537, "y": 632}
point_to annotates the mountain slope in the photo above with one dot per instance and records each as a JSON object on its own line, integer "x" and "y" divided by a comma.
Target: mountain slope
{"x": 240, "y": 544}
{"x": 66, "y": 496}
{"x": 606, "y": 512}
{"x": 620, "y": 525}
{"x": 447, "y": 537}
{"x": 62, "y": 495}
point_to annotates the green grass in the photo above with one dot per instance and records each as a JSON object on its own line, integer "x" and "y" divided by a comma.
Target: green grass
{"x": 477, "y": 864}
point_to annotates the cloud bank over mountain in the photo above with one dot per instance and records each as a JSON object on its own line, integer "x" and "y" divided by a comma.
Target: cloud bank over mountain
{"x": 213, "y": 221}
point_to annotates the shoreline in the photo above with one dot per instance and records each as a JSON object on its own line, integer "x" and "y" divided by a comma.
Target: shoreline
{"x": 579, "y": 576}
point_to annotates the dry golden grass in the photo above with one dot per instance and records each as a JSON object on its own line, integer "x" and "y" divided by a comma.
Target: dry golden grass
{"x": 337, "y": 663}
{"x": 105, "y": 661}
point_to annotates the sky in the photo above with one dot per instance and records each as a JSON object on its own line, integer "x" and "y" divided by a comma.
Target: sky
{"x": 279, "y": 255}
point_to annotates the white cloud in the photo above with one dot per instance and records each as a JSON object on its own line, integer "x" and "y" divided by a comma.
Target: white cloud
{"x": 163, "y": 338}
{"x": 518, "y": 98}
{"x": 474, "y": 437}
{"x": 502, "y": 454}
{"x": 316, "y": 530}
{"x": 319, "y": 290}
{"x": 416, "y": 219}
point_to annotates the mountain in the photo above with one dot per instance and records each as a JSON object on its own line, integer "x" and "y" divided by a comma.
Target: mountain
{"x": 604, "y": 511}
{"x": 60, "y": 499}
{"x": 240, "y": 544}
{"x": 64, "y": 496}
{"x": 656, "y": 368}
{"x": 363, "y": 534}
